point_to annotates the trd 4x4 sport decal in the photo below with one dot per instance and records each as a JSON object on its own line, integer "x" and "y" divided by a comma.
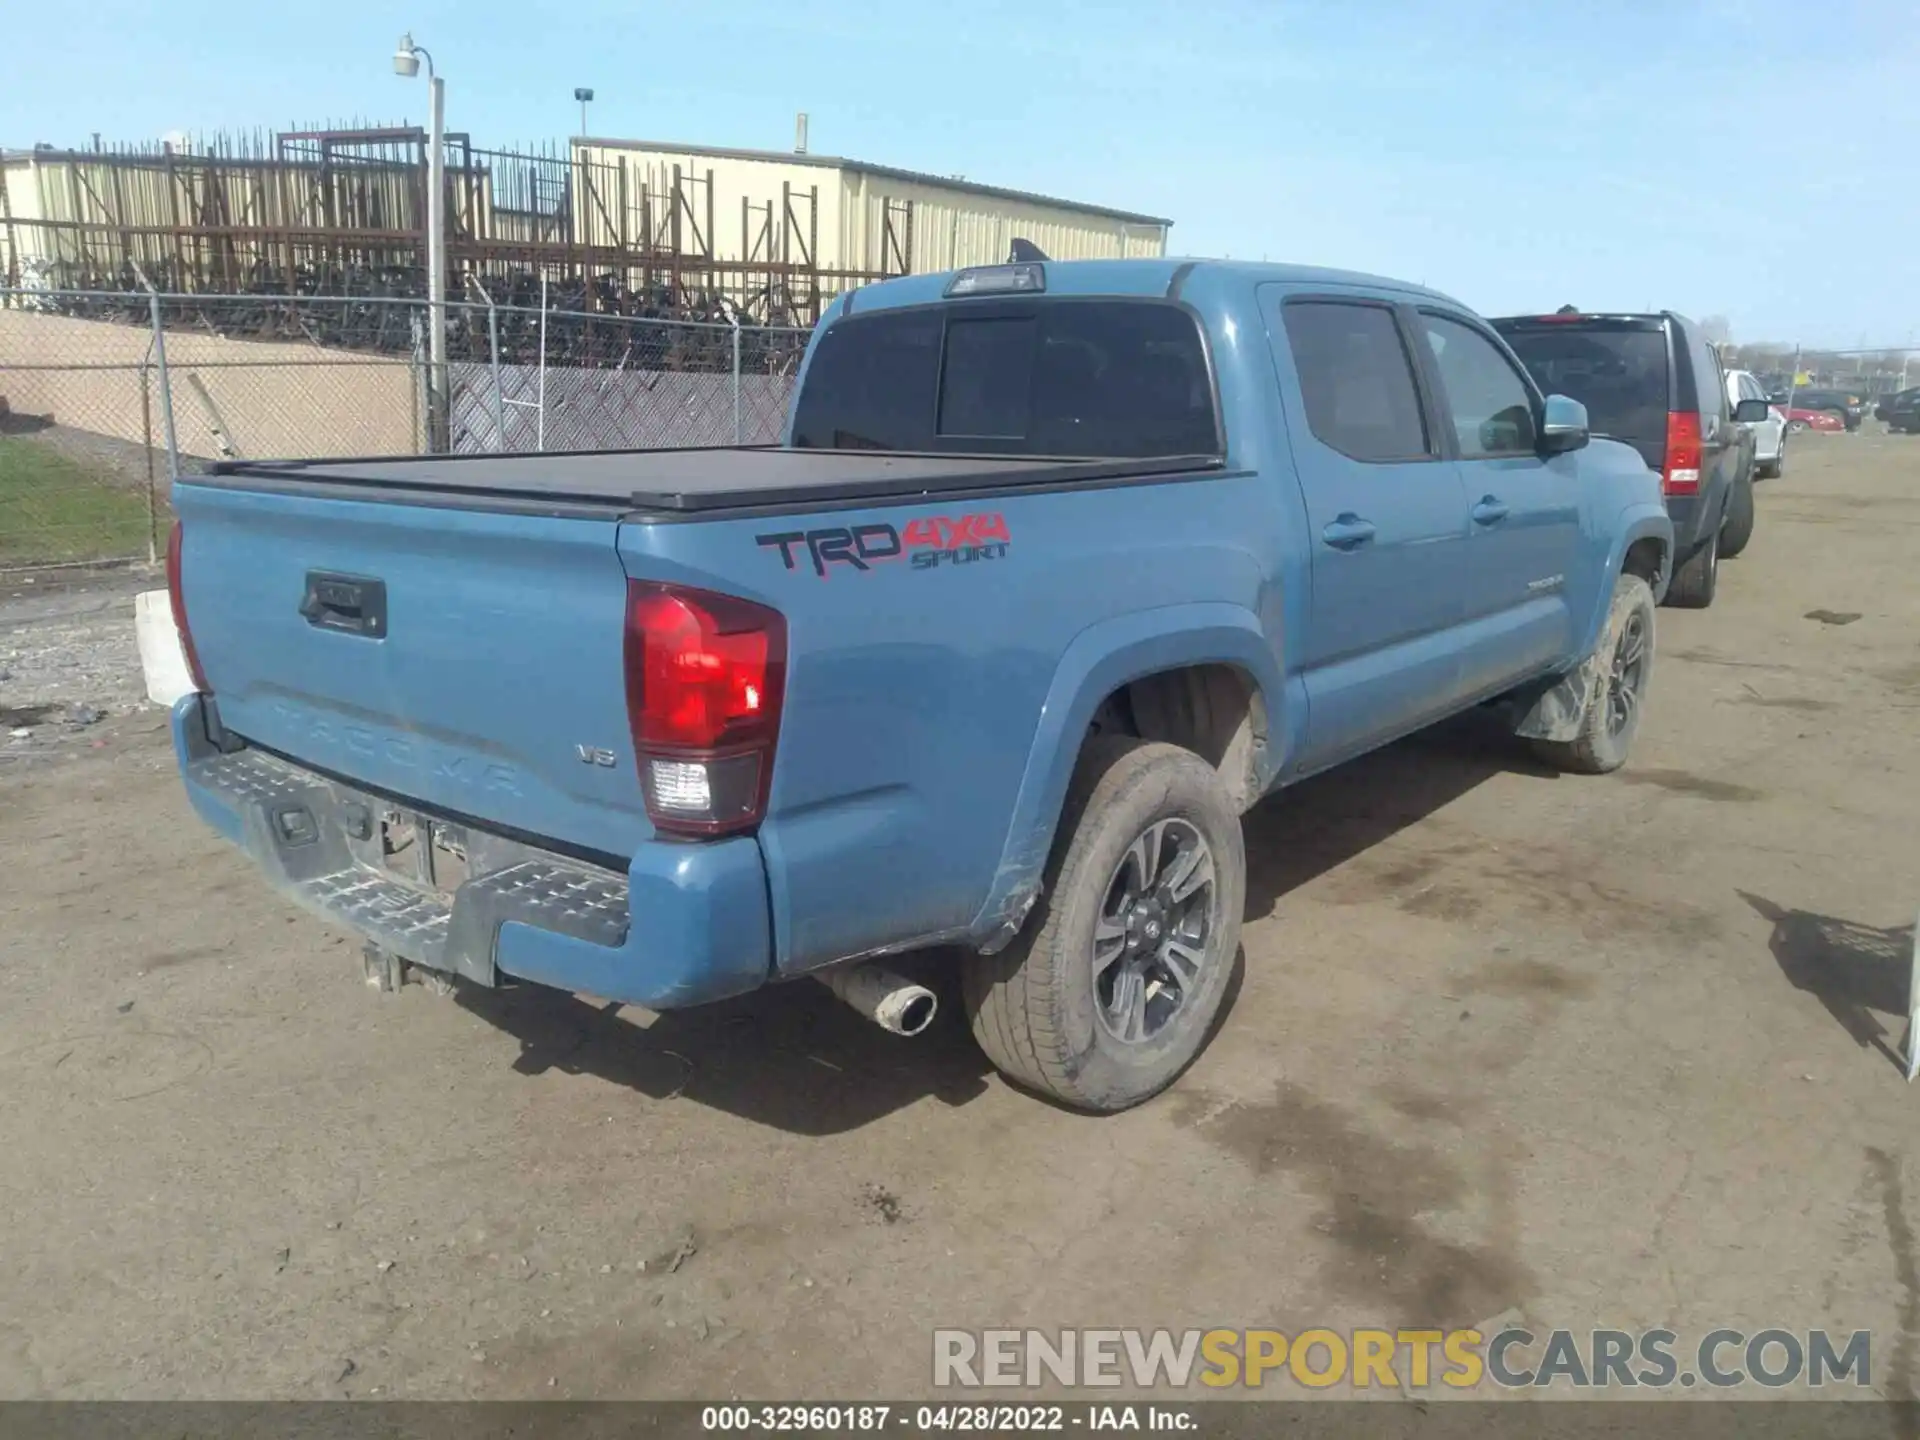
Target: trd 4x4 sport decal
{"x": 926, "y": 544}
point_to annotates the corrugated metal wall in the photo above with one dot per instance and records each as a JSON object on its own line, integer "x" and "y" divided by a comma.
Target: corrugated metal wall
{"x": 647, "y": 178}
{"x": 950, "y": 225}
{"x": 260, "y": 219}
{"x": 118, "y": 207}
{"x": 954, "y": 227}
{"x": 20, "y": 201}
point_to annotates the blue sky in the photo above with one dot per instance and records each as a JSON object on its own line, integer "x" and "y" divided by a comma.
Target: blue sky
{"x": 1754, "y": 160}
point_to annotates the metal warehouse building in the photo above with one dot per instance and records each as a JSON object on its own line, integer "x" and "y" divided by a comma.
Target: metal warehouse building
{"x": 664, "y": 227}
{"x": 848, "y": 216}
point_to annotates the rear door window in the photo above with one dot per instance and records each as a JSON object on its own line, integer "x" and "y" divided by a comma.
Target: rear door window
{"x": 1356, "y": 380}
{"x": 1069, "y": 378}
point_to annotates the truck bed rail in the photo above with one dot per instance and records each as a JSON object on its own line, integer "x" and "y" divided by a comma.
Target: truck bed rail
{"x": 696, "y": 481}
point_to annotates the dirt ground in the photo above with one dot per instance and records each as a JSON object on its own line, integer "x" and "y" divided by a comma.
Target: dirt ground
{"x": 1609, "y": 1052}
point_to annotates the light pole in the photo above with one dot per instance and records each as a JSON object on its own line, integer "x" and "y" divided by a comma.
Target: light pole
{"x": 406, "y": 64}
{"x": 583, "y": 94}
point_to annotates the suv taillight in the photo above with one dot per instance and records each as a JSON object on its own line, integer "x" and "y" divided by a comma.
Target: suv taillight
{"x": 1681, "y": 475}
{"x": 176, "y": 541}
{"x": 705, "y": 677}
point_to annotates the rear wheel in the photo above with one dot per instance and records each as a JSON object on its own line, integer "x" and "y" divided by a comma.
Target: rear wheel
{"x": 1112, "y": 989}
{"x": 1698, "y": 576}
{"x": 1737, "y": 529}
{"x": 1614, "y": 703}
{"x": 1774, "y": 468}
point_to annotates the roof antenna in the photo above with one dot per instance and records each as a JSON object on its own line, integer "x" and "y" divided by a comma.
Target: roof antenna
{"x": 1024, "y": 252}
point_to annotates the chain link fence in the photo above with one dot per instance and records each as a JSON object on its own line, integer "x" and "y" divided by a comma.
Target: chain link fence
{"x": 525, "y": 379}
{"x": 83, "y": 468}
{"x": 104, "y": 396}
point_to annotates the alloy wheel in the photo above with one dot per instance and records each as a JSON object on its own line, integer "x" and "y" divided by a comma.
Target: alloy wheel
{"x": 1153, "y": 941}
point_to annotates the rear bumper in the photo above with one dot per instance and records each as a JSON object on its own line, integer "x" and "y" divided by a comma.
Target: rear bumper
{"x": 685, "y": 923}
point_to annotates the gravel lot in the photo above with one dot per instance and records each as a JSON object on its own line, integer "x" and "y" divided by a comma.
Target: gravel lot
{"x": 69, "y": 667}
{"x": 1608, "y": 1052}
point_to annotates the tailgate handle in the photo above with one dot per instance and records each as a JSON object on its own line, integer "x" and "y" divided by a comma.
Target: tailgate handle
{"x": 353, "y": 604}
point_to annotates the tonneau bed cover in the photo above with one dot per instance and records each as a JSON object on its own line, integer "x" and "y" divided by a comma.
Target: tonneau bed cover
{"x": 683, "y": 481}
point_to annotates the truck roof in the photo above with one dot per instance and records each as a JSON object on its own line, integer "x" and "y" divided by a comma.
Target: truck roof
{"x": 1154, "y": 277}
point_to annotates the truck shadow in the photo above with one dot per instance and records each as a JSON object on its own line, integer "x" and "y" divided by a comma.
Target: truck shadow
{"x": 1852, "y": 970}
{"x": 793, "y": 1057}
{"x": 1310, "y": 828}
{"x": 790, "y": 1056}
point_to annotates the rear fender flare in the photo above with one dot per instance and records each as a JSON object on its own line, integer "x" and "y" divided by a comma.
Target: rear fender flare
{"x": 1101, "y": 659}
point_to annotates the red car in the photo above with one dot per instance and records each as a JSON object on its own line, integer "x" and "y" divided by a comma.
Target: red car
{"x": 1798, "y": 419}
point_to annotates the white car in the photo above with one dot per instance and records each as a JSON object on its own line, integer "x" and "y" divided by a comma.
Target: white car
{"x": 1770, "y": 434}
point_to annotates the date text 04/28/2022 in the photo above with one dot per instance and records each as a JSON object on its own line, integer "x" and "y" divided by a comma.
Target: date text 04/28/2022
{"x": 948, "y": 1418}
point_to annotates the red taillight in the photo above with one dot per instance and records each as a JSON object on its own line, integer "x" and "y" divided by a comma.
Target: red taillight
{"x": 705, "y": 677}
{"x": 1681, "y": 474}
{"x": 175, "y": 542}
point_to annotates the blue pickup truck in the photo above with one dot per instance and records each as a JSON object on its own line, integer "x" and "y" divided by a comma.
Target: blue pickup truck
{"x": 1061, "y": 567}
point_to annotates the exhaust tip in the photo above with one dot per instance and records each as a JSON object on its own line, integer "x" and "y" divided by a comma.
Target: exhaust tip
{"x": 891, "y": 1001}
{"x": 917, "y": 1013}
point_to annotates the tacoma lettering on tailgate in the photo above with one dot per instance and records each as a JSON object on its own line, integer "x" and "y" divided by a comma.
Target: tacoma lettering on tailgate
{"x": 326, "y": 738}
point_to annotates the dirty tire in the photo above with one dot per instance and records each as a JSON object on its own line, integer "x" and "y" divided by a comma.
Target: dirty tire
{"x": 1698, "y": 576}
{"x": 1602, "y": 746}
{"x": 1737, "y": 529}
{"x": 1033, "y": 1005}
{"x": 1772, "y": 469}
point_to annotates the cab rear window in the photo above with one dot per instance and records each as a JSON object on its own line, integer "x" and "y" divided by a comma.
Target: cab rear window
{"x": 1104, "y": 379}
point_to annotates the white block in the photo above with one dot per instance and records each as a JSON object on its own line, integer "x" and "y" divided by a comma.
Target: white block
{"x": 162, "y": 660}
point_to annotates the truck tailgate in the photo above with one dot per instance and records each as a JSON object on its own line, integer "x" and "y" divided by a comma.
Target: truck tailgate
{"x": 491, "y": 688}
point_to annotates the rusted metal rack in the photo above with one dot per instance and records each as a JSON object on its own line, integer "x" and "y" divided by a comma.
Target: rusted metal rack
{"x": 341, "y": 211}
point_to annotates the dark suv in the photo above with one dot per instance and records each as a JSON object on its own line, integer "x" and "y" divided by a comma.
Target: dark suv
{"x": 1901, "y": 411}
{"x": 1849, "y": 406}
{"x": 1654, "y": 382}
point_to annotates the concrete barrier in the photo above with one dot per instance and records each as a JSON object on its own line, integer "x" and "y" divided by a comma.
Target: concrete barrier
{"x": 273, "y": 398}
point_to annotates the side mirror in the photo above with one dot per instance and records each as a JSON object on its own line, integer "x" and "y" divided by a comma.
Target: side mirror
{"x": 1563, "y": 425}
{"x": 1751, "y": 412}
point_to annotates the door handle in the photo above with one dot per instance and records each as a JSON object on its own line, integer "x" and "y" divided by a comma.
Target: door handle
{"x": 1348, "y": 532}
{"x": 1490, "y": 511}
